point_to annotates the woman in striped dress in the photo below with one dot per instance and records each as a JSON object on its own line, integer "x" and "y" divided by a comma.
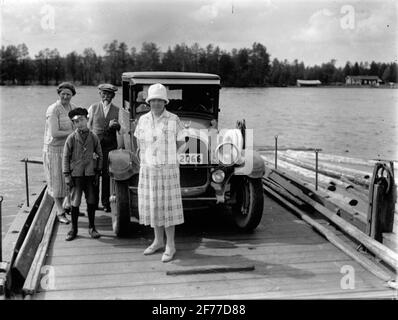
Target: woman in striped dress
{"x": 58, "y": 127}
{"x": 159, "y": 135}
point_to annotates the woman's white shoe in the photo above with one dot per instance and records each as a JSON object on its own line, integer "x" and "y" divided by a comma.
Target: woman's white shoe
{"x": 153, "y": 249}
{"x": 168, "y": 255}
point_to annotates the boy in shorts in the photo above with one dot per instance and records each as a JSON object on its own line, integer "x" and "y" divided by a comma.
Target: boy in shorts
{"x": 81, "y": 165}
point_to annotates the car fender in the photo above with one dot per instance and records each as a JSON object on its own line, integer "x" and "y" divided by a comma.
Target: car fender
{"x": 253, "y": 165}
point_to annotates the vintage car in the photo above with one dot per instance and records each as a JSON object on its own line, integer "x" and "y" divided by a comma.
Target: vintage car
{"x": 217, "y": 167}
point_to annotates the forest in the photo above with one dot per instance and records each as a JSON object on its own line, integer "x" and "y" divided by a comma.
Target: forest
{"x": 245, "y": 67}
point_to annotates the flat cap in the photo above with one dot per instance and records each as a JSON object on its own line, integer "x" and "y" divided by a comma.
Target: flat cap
{"x": 77, "y": 112}
{"x": 107, "y": 87}
{"x": 66, "y": 85}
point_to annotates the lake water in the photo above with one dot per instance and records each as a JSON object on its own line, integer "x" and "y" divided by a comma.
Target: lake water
{"x": 355, "y": 122}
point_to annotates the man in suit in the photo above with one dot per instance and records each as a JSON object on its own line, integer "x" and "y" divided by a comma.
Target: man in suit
{"x": 104, "y": 122}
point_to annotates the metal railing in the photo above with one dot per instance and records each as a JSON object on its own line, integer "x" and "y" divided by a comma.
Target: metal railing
{"x": 26, "y": 161}
{"x": 316, "y": 168}
{"x": 1, "y": 230}
{"x": 316, "y": 160}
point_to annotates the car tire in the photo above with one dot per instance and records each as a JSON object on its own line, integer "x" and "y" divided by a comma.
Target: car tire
{"x": 120, "y": 208}
{"x": 248, "y": 209}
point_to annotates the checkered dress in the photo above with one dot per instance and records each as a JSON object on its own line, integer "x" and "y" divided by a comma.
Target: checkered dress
{"x": 159, "y": 193}
{"x": 53, "y": 149}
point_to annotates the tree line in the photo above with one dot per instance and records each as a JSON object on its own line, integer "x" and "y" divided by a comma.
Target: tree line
{"x": 243, "y": 67}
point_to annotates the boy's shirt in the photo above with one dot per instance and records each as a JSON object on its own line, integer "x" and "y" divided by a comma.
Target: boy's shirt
{"x": 82, "y": 154}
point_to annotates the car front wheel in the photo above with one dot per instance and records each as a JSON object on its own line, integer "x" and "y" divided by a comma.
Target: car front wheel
{"x": 120, "y": 208}
{"x": 249, "y": 202}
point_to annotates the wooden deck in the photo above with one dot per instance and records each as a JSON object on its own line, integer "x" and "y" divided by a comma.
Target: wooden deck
{"x": 291, "y": 261}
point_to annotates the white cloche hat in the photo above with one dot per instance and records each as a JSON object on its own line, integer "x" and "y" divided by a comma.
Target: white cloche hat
{"x": 157, "y": 91}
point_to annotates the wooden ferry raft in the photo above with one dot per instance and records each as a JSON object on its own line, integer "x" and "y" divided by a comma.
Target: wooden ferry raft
{"x": 296, "y": 252}
{"x": 284, "y": 258}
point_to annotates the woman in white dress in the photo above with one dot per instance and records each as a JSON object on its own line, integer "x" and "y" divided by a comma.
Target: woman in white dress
{"x": 159, "y": 135}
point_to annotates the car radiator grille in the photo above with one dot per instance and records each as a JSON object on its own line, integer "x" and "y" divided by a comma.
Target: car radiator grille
{"x": 195, "y": 176}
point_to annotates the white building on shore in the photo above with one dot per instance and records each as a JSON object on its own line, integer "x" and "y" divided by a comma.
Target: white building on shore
{"x": 363, "y": 80}
{"x": 308, "y": 83}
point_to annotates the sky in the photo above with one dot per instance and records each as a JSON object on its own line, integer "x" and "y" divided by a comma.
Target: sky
{"x": 310, "y": 31}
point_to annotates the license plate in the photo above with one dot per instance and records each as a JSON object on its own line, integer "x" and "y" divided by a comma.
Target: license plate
{"x": 191, "y": 158}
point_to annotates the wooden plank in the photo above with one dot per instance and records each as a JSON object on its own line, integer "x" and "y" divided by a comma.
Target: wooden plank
{"x": 280, "y": 190}
{"x": 293, "y": 231}
{"x": 199, "y": 243}
{"x": 352, "y": 190}
{"x": 302, "y": 172}
{"x": 295, "y": 270}
{"x": 371, "y": 294}
{"x": 140, "y": 268}
{"x": 338, "y": 203}
{"x": 15, "y": 236}
{"x": 263, "y": 285}
{"x": 28, "y": 249}
{"x": 222, "y": 225}
{"x": 386, "y": 254}
{"x": 328, "y": 167}
{"x": 138, "y": 246}
{"x": 210, "y": 254}
{"x": 333, "y": 158}
{"x": 33, "y": 277}
{"x": 188, "y": 233}
{"x": 134, "y": 279}
{"x": 17, "y": 231}
{"x": 293, "y": 293}
{"x": 216, "y": 245}
{"x": 129, "y": 254}
{"x": 210, "y": 269}
{"x": 333, "y": 202}
{"x": 362, "y": 260}
{"x": 315, "y": 294}
{"x": 348, "y": 193}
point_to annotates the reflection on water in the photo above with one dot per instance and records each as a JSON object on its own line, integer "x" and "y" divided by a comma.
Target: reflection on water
{"x": 356, "y": 122}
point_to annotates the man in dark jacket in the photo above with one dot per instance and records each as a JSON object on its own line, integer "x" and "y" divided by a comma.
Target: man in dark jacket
{"x": 81, "y": 165}
{"x": 104, "y": 122}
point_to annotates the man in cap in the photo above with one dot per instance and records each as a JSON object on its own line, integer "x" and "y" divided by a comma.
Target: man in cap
{"x": 104, "y": 122}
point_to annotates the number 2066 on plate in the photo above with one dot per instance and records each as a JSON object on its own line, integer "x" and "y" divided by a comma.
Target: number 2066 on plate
{"x": 190, "y": 158}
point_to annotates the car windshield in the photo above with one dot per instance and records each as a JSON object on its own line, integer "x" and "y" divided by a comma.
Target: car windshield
{"x": 183, "y": 98}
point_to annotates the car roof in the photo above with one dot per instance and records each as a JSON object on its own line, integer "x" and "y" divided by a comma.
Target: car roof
{"x": 167, "y": 77}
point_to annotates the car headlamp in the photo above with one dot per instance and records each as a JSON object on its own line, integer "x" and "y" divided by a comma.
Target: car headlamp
{"x": 218, "y": 176}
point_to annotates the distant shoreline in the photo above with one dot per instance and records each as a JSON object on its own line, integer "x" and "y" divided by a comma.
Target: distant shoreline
{"x": 384, "y": 86}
